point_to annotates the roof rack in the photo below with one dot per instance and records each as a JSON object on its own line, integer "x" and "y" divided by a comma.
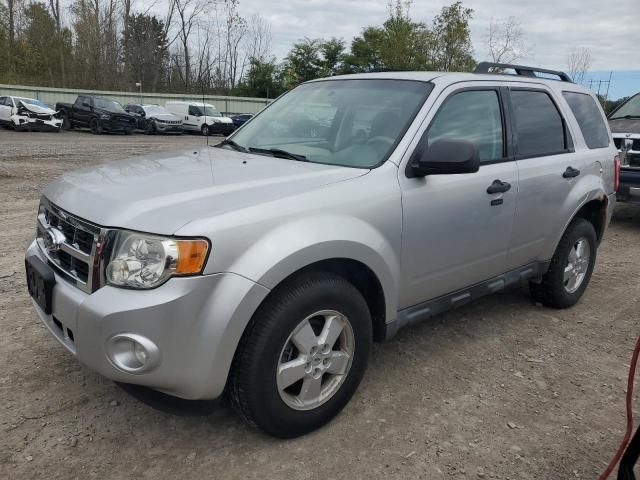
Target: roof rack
{"x": 484, "y": 67}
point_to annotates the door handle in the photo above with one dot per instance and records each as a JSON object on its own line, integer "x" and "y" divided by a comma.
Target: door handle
{"x": 571, "y": 172}
{"x": 499, "y": 187}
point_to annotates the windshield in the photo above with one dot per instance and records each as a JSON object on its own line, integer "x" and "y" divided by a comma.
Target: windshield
{"x": 631, "y": 108}
{"x": 200, "y": 111}
{"x": 107, "y": 104}
{"x": 156, "y": 110}
{"x": 352, "y": 123}
{"x": 33, "y": 101}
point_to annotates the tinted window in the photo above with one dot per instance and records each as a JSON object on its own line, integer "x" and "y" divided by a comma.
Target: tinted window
{"x": 472, "y": 115}
{"x": 538, "y": 125}
{"x": 589, "y": 118}
{"x": 3, "y": 101}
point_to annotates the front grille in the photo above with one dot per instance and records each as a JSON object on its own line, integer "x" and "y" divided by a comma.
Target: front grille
{"x": 69, "y": 243}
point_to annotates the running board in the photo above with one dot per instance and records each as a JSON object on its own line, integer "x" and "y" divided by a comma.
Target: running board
{"x": 423, "y": 311}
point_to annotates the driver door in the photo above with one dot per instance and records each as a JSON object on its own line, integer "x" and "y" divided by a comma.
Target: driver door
{"x": 456, "y": 233}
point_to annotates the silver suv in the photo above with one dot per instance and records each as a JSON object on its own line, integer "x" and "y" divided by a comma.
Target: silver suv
{"x": 264, "y": 268}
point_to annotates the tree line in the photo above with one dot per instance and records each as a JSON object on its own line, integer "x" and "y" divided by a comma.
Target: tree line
{"x": 207, "y": 46}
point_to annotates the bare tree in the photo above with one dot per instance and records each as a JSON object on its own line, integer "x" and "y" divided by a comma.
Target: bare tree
{"x": 506, "y": 41}
{"x": 258, "y": 39}
{"x": 578, "y": 63}
{"x": 188, "y": 12}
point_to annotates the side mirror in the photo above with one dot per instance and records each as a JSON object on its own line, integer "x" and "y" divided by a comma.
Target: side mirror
{"x": 444, "y": 157}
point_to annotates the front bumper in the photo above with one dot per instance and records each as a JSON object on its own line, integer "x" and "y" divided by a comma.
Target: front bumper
{"x": 161, "y": 128}
{"x": 629, "y": 189}
{"x": 196, "y": 323}
{"x": 36, "y": 124}
{"x": 117, "y": 126}
{"x": 222, "y": 128}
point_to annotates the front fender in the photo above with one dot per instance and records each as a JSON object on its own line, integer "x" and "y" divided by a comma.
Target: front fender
{"x": 300, "y": 243}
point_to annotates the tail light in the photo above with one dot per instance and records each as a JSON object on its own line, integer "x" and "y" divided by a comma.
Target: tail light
{"x": 616, "y": 173}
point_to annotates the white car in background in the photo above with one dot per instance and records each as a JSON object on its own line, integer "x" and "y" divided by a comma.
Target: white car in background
{"x": 201, "y": 117}
{"x": 28, "y": 114}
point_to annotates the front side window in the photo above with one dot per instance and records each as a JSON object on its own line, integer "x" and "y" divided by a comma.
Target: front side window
{"x": 589, "y": 119}
{"x": 539, "y": 128}
{"x": 351, "y": 123}
{"x": 199, "y": 111}
{"x": 472, "y": 115}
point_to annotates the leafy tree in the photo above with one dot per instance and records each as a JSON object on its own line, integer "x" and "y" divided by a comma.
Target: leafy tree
{"x": 145, "y": 50}
{"x": 365, "y": 53}
{"x": 451, "y": 48}
{"x": 304, "y": 62}
{"x": 333, "y": 56}
{"x": 263, "y": 79}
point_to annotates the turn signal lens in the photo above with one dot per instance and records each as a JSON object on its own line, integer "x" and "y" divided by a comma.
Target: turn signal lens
{"x": 191, "y": 256}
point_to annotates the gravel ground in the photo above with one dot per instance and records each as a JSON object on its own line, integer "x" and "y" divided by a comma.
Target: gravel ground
{"x": 498, "y": 389}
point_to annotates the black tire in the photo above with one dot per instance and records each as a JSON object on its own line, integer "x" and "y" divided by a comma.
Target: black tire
{"x": 253, "y": 389}
{"x": 128, "y": 131}
{"x": 206, "y": 131}
{"x": 95, "y": 127}
{"x": 551, "y": 291}
{"x": 150, "y": 128}
{"x": 66, "y": 123}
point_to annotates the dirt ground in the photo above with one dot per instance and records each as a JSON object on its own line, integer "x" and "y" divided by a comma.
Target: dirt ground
{"x": 498, "y": 389}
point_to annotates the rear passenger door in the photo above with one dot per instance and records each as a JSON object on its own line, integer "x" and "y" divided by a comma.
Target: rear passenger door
{"x": 548, "y": 170}
{"x": 456, "y": 230}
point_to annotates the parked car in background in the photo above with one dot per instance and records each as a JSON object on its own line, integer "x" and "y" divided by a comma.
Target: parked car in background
{"x": 97, "y": 113}
{"x": 241, "y": 119}
{"x": 201, "y": 117}
{"x": 263, "y": 268}
{"x": 625, "y": 127}
{"x": 154, "y": 119}
{"x": 22, "y": 113}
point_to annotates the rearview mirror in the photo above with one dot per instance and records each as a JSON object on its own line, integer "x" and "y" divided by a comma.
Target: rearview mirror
{"x": 445, "y": 157}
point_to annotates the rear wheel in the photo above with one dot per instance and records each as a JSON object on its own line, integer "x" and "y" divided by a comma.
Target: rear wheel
{"x": 571, "y": 267}
{"x": 302, "y": 356}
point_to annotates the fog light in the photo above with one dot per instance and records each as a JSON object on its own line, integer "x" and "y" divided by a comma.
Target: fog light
{"x": 133, "y": 353}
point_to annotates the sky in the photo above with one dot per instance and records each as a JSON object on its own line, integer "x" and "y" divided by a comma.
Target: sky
{"x": 552, "y": 28}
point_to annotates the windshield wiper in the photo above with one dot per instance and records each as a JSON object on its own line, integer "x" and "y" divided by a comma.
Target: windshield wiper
{"x": 625, "y": 116}
{"x": 233, "y": 145}
{"x": 278, "y": 152}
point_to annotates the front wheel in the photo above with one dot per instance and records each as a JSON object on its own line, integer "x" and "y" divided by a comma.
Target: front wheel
{"x": 66, "y": 123}
{"x": 571, "y": 267}
{"x": 95, "y": 127}
{"x": 205, "y": 130}
{"x": 303, "y": 355}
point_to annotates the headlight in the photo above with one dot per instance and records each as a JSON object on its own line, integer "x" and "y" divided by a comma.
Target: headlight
{"x": 145, "y": 261}
{"x": 105, "y": 116}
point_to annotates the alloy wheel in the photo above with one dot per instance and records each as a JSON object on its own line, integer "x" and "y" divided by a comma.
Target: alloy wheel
{"x": 577, "y": 265}
{"x": 315, "y": 360}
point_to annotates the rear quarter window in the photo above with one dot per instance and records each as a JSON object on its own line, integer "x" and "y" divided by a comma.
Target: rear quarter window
{"x": 589, "y": 119}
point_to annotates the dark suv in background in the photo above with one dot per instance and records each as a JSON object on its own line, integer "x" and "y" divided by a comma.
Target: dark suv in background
{"x": 625, "y": 127}
{"x": 97, "y": 113}
{"x": 154, "y": 119}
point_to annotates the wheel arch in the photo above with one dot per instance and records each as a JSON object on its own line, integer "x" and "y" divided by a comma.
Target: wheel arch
{"x": 594, "y": 210}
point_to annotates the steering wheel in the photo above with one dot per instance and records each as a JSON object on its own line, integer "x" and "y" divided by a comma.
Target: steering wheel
{"x": 380, "y": 143}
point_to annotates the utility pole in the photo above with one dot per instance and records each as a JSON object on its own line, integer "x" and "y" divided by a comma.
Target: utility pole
{"x": 139, "y": 85}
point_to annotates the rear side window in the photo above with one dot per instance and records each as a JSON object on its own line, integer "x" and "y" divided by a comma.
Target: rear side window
{"x": 539, "y": 127}
{"x": 589, "y": 118}
{"x": 472, "y": 115}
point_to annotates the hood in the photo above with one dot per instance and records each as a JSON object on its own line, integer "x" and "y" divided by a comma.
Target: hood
{"x": 170, "y": 117}
{"x": 625, "y": 125}
{"x": 162, "y": 192}
{"x": 218, "y": 120}
{"x": 38, "y": 109}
